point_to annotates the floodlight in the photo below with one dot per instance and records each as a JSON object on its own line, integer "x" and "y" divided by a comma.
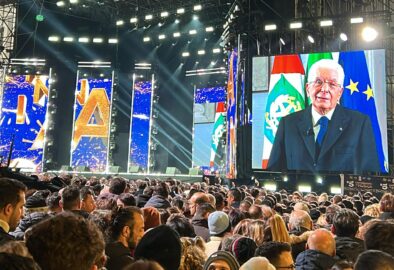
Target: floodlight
{"x": 60, "y": 3}
{"x": 146, "y": 39}
{"x": 335, "y": 190}
{"x": 120, "y": 22}
{"x": 195, "y": 17}
{"x": 73, "y": 1}
{"x": 162, "y": 36}
{"x": 197, "y": 7}
{"x": 357, "y": 20}
{"x": 185, "y": 54}
{"x": 270, "y": 186}
{"x": 193, "y": 32}
{"x": 134, "y": 20}
{"x": 54, "y": 39}
{"x": 369, "y": 34}
{"x": 83, "y": 39}
{"x": 180, "y": 11}
{"x": 68, "y": 39}
{"x": 201, "y": 52}
{"x": 296, "y": 25}
{"x": 326, "y": 23}
{"x": 112, "y": 40}
{"x": 216, "y": 50}
{"x": 319, "y": 180}
{"x": 209, "y": 29}
{"x": 164, "y": 14}
{"x": 270, "y": 27}
{"x": 177, "y": 34}
{"x": 149, "y": 17}
{"x": 311, "y": 39}
{"x": 343, "y": 37}
{"x": 98, "y": 40}
{"x": 282, "y": 41}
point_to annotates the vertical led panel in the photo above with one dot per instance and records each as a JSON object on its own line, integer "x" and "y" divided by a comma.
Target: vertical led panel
{"x": 140, "y": 124}
{"x": 23, "y": 120}
{"x": 91, "y": 125}
{"x": 231, "y": 171}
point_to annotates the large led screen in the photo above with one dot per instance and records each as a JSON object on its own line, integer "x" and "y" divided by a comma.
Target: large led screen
{"x": 23, "y": 120}
{"x": 231, "y": 169}
{"x": 89, "y": 147}
{"x": 349, "y": 88}
{"x": 209, "y": 127}
{"x": 140, "y": 125}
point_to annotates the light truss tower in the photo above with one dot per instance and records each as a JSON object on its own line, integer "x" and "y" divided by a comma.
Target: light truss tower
{"x": 7, "y": 31}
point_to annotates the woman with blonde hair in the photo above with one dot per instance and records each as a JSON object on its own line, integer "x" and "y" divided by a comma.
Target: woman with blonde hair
{"x": 279, "y": 233}
{"x": 372, "y": 210}
{"x": 256, "y": 231}
{"x": 193, "y": 253}
{"x": 242, "y": 227}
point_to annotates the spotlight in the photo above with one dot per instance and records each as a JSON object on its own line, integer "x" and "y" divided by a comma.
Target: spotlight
{"x": 164, "y": 14}
{"x": 134, "y": 20}
{"x": 281, "y": 40}
{"x": 326, "y": 23}
{"x": 185, "y": 54}
{"x": 148, "y": 17}
{"x": 83, "y": 39}
{"x": 369, "y": 34}
{"x": 304, "y": 188}
{"x": 160, "y": 24}
{"x": 98, "y": 40}
{"x": 68, "y": 39}
{"x": 311, "y": 39}
{"x": 285, "y": 179}
{"x": 209, "y": 29}
{"x": 162, "y": 36}
{"x": 216, "y": 50}
{"x": 195, "y": 17}
{"x": 270, "y": 27}
{"x": 118, "y": 23}
{"x": 201, "y": 52}
{"x": 177, "y": 34}
{"x": 357, "y": 20}
{"x": 213, "y": 63}
{"x": 73, "y": 1}
{"x": 197, "y": 7}
{"x": 113, "y": 41}
{"x": 177, "y": 21}
{"x": 60, "y": 3}
{"x": 146, "y": 39}
{"x": 193, "y": 32}
{"x": 180, "y": 11}
{"x": 270, "y": 186}
{"x": 319, "y": 180}
{"x": 54, "y": 39}
{"x": 343, "y": 37}
{"x": 296, "y": 25}
{"x": 335, "y": 190}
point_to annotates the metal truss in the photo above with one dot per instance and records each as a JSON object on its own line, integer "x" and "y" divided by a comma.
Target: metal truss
{"x": 7, "y": 31}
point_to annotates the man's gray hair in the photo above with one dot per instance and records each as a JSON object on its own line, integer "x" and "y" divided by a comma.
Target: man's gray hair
{"x": 326, "y": 63}
{"x": 299, "y": 218}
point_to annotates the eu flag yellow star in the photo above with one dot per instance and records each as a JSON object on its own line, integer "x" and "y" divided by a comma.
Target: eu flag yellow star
{"x": 368, "y": 92}
{"x": 352, "y": 87}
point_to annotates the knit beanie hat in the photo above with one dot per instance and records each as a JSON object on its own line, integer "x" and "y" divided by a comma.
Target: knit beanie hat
{"x": 223, "y": 256}
{"x": 257, "y": 263}
{"x": 218, "y": 222}
{"x": 36, "y": 203}
{"x": 160, "y": 244}
{"x": 151, "y": 217}
{"x": 243, "y": 249}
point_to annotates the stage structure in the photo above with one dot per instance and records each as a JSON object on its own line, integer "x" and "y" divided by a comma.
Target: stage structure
{"x": 209, "y": 128}
{"x": 141, "y": 145}
{"x": 26, "y": 114}
{"x": 92, "y": 117}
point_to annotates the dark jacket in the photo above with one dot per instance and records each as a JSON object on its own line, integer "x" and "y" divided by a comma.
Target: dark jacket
{"x": 119, "y": 256}
{"x": 299, "y": 247}
{"x": 348, "y": 248}
{"x": 28, "y": 221}
{"x": 386, "y": 215}
{"x": 5, "y": 237}
{"x": 201, "y": 227}
{"x": 349, "y": 145}
{"x": 142, "y": 200}
{"x": 314, "y": 260}
{"x": 158, "y": 201}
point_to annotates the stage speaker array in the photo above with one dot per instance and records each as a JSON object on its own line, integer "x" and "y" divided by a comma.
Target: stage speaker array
{"x": 172, "y": 170}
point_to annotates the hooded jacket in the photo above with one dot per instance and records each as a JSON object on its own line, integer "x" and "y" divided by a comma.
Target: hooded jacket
{"x": 348, "y": 248}
{"x": 314, "y": 260}
{"x": 159, "y": 202}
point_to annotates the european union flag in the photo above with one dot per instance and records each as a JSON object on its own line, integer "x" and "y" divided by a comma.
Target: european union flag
{"x": 358, "y": 94}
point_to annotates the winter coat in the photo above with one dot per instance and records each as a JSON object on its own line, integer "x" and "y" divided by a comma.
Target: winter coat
{"x": 348, "y": 248}
{"x": 314, "y": 260}
{"x": 158, "y": 202}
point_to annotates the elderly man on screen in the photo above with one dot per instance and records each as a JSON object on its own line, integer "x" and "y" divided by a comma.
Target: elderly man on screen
{"x": 325, "y": 136}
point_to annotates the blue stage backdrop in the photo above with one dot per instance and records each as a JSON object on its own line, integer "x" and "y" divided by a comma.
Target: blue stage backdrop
{"x": 23, "y": 119}
{"x": 92, "y": 107}
{"x": 141, "y": 111}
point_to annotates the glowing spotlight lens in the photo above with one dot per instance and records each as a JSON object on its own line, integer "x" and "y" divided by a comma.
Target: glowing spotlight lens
{"x": 180, "y": 11}
{"x": 282, "y": 41}
{"x": 369, "y": 34}
{"x": 164, "y": 14}
{"x": 83, "y": 39}
{"x": 201, "y": 52}
{"x": 270, "y": 27}
{"x": 326, "y": 23}
{"x": 177, "y": 34}
{"x": 296, "y": 25}
{"x": 177, "y": 21}
{"x": 60, "y": 3}
{"x": 304, "y": 188}
{"x": 270, "y": 187}
{"x": 209, "y": 29}
{"x": 112, "y": 40}
{"x": 149, "y": 17}
{"x": 73, "y": 1}
{"x": 98, "y": 40}
{"x": 185, "y": 54}
{"x": 54, "y": 39}
{"x": 357, "y": 20}
{"x": 343, "y": 37}
{"x": 311, "y": 39}
{"x": 197, "y": 7}
{"x": 119, "y": 23}
{"x": 162, "y": 36}
{"x": 146, "y": 39}
{"x": 195, "y": 17}
{"x": 319, "y": 180}
{"x": 216, "y": 50}
{"x": 68, "y": 39}
{"x": 193, "y": 32}
{"x": 134, "y": 20}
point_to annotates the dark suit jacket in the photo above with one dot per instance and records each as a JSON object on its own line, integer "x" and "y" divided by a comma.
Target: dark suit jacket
{"x": 349, "y": 144}
{"x": 5, "y": 237}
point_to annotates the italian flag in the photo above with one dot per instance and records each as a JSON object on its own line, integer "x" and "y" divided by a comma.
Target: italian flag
{"x": 218, "y": 130}
{"x": 286, "y": 95}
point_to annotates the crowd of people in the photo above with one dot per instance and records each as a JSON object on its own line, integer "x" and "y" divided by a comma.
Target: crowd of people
{"x": 120, "y": 224}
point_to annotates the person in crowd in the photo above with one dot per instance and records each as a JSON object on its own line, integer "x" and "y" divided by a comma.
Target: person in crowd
{"x": 144, "y": 265}
{"x": 342, "y": 265}
{"x": 161, "y": 244}
{"x": 345, "y": 226}
{"x": 220, "y": 202}
{"x": 380, "y": 236}
{"x": 299, "y": 222}
{"x": 200, "y": 220}
{"x": 256, "y": 231}
{"x": 387, "y": 206}
{"x": 195, "y": 200}
{"x": 234, "y": 198}
{"x": 243, "y": 248}
{"x": 181, "y": 225}
{"x": 53, "y": 203}
{"x": 160, "y": 197}
{"x": 236, "y": 217}
{"x": 88, "y": 203}
{"x": 221, "y": 260}
{"x": 126, "y": 230}
{"x": 71, "y": 201}
{"x": 12, "y": 201}
{"x": 117, "y": 186}
{"x": 257, "y": 263}
{"x": 320, "y": 252}
{"x": 66, "y": 242}
{"x": 314, "y": 139}
{"x": 219, "y": 226}
{"x": 126, "y": 199}
{"x": 17, "y": 248}
{"x": 374, "y": 260}
{"x": 10, "y": 261}
{"x": 193, "y": 253}
{"x": 255, "y": 212}
{"x": 152, "y": 217}
{"x": 278, "y": 254}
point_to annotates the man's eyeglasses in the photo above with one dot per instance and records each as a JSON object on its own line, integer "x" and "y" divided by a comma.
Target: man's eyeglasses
{"x": 331, "y": 84}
